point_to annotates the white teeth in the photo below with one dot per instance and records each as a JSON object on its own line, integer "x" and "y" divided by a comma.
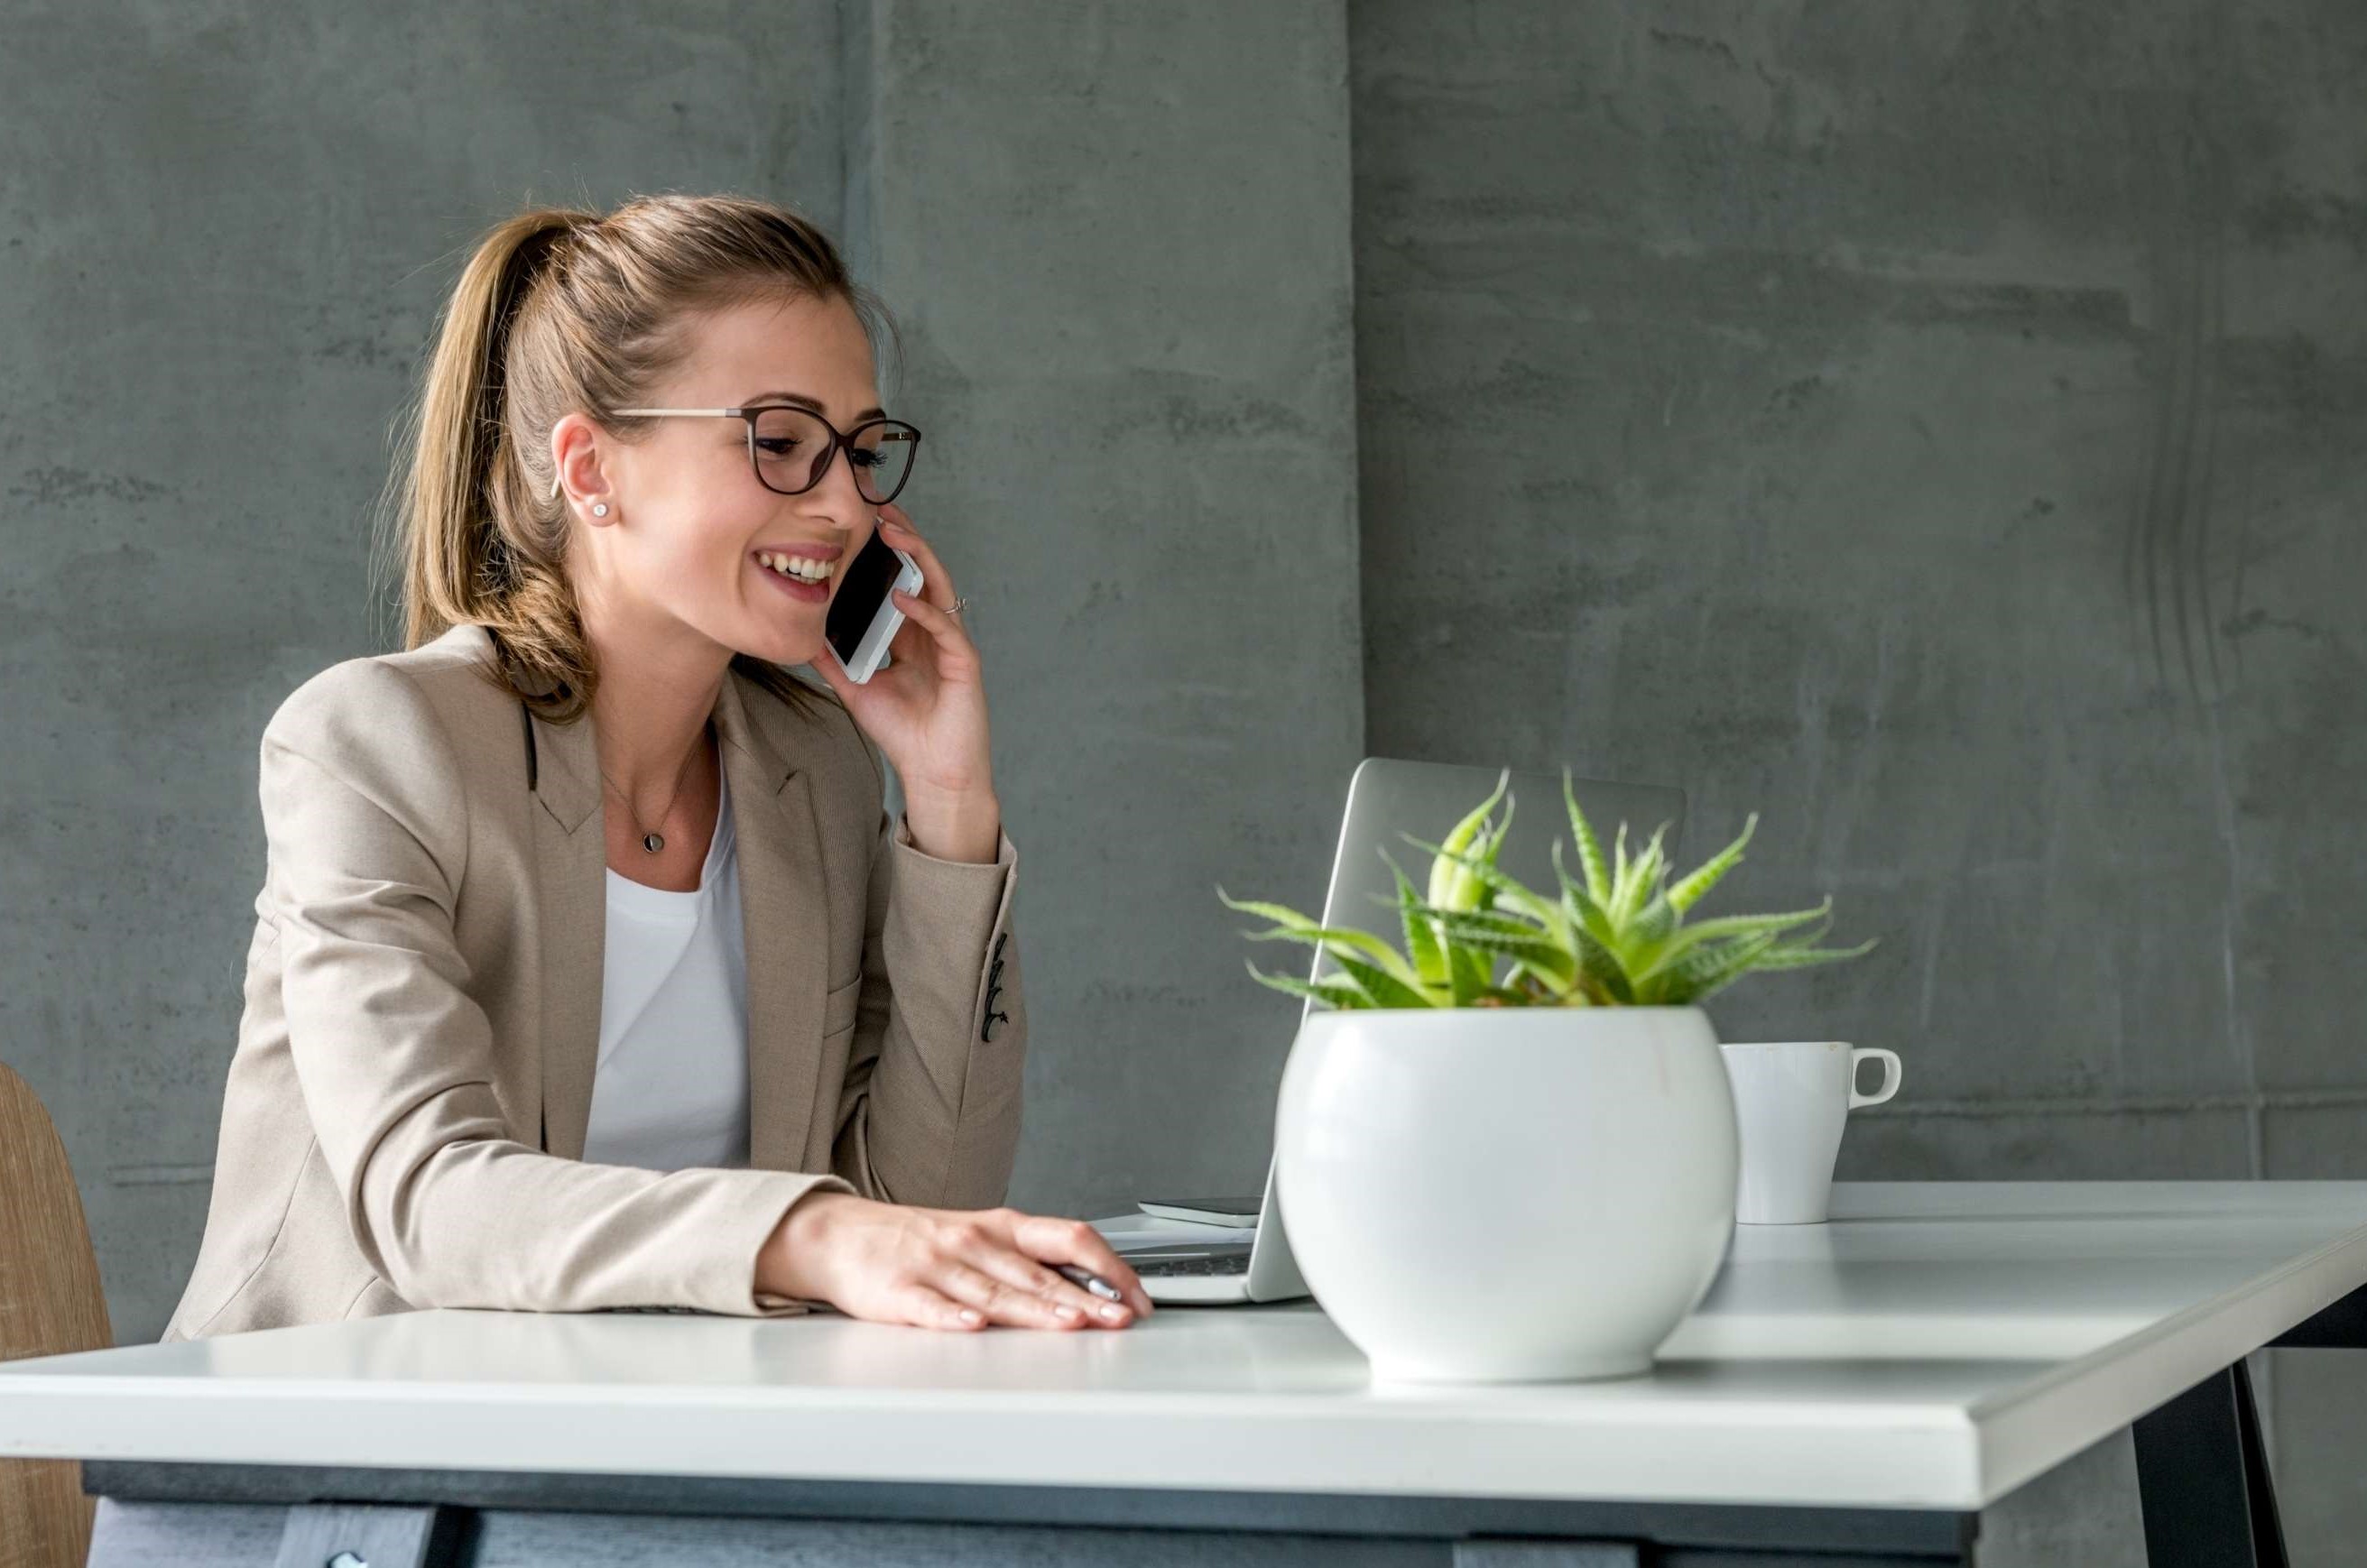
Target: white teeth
{"x": 794, "y": 566}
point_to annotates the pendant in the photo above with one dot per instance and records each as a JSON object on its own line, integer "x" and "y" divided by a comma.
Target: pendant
{"x": 652, "y": 842}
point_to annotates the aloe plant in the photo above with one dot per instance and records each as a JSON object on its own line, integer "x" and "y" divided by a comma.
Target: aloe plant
{"x": 1615, "y": 936}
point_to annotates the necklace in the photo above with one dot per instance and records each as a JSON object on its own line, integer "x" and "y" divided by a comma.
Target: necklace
{"x": 651, "y": 841}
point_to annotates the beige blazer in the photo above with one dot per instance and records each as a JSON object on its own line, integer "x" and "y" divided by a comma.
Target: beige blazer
{"x": 403, "y": 1120}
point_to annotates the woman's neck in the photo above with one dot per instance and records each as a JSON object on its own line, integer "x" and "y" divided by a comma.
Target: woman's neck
{"x": 650, "y": 710}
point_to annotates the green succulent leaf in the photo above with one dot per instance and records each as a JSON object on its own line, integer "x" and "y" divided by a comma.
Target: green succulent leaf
{"x": 1386, "y": 989}
{"x": 1450, "y": 883}
{"x": 1653, "y": 924}
{"x": 1493, "y": 923}
{"x": 1603, "y": 969}
{"x": 1804, "y": 957}
{"x": 1281, "y": 914}
{"x": 1636, "y": 878}
{"x": 1685, "y": 939}
{"x": 1420, "y": 935}
{"x": 1590, "y": 848}
{"x": 1469, "y": 975}
{"x": 1502, "y": 883}
{"x": 1558, "y": 962}
{"x": 1580, "y": 907}
{"x": 1689, "y": 890}
{"x": 1333, "y": 938}
{"x": 1711, "y": 969}
{"x": 1494, "y": 843}
{"x": 1337, "y": 993}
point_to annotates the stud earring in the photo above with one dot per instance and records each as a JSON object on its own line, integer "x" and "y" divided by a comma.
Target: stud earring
{"x": 599, "y": 509}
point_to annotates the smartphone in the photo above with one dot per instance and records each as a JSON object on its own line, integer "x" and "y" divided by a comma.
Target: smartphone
{"x": 862, "y": 618}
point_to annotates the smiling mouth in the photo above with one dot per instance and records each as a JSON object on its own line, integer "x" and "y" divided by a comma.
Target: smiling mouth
{"x": 797, "y": 590}
{"x": 813, "y": 573}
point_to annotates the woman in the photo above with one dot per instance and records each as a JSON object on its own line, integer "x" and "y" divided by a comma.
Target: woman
{"x": 588, "y": 969}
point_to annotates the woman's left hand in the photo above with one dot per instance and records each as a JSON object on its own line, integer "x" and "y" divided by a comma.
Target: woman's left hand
{"x": 927, "y": 711}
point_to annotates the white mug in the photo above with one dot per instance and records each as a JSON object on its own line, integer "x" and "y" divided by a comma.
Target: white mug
{"x": 1789, "y": 1100}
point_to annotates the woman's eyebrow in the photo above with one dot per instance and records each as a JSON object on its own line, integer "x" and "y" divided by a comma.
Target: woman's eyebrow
{"x": 801, "y": 400}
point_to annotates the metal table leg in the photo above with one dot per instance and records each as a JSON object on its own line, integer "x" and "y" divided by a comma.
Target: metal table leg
{"x": 2203, "y": 1476}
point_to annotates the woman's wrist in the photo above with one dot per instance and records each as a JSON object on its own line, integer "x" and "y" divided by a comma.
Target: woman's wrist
{"x": 784, "y": 1264}
{"x": 964, "y": 827}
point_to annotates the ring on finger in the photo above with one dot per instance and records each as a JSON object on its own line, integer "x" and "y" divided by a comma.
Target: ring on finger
{"x": 954, "y": 609}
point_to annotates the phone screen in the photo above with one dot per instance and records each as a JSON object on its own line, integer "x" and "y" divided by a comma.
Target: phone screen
{"x": 860, "y": 593}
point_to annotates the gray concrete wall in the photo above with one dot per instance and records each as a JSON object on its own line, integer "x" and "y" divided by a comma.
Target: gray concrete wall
{"x": 1936, "y": 428}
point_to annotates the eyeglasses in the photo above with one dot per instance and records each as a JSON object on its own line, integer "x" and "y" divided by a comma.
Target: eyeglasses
{"x": 791, "y": 448}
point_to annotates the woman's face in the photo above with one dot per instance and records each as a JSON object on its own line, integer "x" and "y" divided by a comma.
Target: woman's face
{"x": 689, "y": 518}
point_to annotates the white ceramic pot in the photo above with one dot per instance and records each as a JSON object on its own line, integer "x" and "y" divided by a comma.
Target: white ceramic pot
{"x": 1513, "y": 1194}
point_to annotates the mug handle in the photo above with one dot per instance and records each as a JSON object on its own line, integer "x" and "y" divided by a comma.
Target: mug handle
{"x": 1891, "y": 1074}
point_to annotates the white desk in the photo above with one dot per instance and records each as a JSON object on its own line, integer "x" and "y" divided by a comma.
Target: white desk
{"x": 1872, "y": 1382}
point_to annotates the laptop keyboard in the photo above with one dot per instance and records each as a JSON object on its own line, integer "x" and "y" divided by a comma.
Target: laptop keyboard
{"x": 1153, "y": 1266}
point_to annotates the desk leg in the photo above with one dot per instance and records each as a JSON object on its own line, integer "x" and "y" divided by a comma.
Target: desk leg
{"x": 2202, "y": 1478}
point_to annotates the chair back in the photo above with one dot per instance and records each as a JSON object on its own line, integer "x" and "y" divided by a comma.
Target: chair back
{"x": 50, "y": 1303}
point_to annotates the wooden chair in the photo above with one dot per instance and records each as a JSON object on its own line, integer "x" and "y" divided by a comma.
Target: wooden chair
{"x": 50, "y": 1303}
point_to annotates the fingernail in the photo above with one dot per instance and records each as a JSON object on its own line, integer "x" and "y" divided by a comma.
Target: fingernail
{"x": 972, "y": 1315}
{"x": 1113, "y": 1312}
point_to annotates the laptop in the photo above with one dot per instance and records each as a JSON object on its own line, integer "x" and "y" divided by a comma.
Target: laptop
{"x": 1387, "y": 797}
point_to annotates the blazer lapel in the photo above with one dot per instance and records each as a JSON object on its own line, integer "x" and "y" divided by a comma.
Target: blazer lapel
{"x": 785, "y": 920}
{"x": 571, "y": 899}
{"x": 784, "y": 917}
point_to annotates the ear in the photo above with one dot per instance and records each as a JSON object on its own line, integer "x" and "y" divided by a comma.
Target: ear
{"x": 575, "y": 457}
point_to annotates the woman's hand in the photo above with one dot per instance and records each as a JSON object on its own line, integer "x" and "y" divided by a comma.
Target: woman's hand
{"x": 943, "y": 1268}
{"x": 927, "y": 711}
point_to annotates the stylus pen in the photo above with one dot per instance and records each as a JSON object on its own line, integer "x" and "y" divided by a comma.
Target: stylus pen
{"x": 1089, "y": 1281}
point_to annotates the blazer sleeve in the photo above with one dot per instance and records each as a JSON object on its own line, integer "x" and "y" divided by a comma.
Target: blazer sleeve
{"x": 367, "y": 822}
{"x": 929, "y": 1112}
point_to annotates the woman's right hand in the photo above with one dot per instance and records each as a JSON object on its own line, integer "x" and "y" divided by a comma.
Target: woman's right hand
{"x": 943, "y": 1268}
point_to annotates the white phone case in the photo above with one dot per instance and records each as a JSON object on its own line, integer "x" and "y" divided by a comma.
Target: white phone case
{"x": 871, "y": 653}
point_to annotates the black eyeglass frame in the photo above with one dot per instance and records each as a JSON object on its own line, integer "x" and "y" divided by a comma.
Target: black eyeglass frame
{"x": 838, "y": 441}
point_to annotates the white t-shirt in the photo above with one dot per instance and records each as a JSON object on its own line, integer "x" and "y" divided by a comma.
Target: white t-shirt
{"x": 671, "y": 1088}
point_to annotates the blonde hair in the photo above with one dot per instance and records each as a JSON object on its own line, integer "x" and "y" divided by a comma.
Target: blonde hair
{"x": 560, "y": 309}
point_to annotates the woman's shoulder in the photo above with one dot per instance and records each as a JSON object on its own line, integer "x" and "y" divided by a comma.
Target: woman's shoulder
{"x": 445, "y": 687}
